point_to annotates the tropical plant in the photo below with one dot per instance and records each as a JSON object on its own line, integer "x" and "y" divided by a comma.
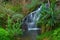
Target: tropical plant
{"x": 48, "y": 18}
{"x": 51, "y": 35}
{"x": 14, "y": 27}
{"x": 4, "y": 12}
{"x": 4, "y": 35}
{"x": 48, "y": 21}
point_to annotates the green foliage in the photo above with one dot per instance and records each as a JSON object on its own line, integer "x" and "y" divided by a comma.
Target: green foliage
{"x": 2, "y": 19}
{"x": 14, "y": 28}
{"x": 11, "y": 18}
{"x": 51, "y": 35}
{"x": 56, "y": 34}
{"x": 48, "y": 16}
{"x": 49, "y": 19}
{"x": 4, "y": 35}
{"x": 32, "y": 6}
{"x": 45, "y": 35}
{"x": 12, "y": 22}
{"x": 17, "y": 8}
{"x": 4, "y": 12}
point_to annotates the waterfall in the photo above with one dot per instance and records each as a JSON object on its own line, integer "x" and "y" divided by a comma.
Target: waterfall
{"x": 29, "y": 23}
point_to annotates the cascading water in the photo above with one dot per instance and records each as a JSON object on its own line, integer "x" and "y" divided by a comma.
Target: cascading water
{"x": 29, "y": 24}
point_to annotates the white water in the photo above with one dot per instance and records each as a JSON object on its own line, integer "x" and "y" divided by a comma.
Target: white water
{"x": 29, "y": 22}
